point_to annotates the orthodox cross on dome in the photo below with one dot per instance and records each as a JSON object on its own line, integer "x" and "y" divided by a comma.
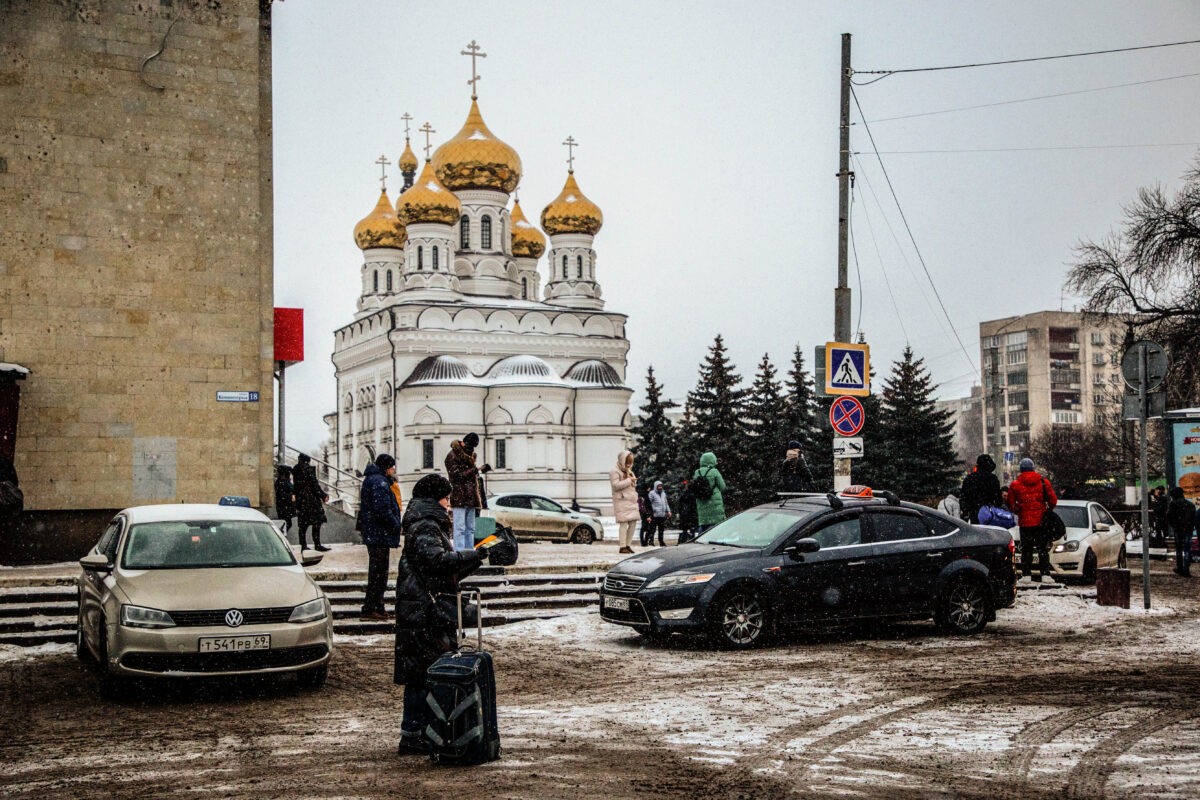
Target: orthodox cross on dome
{"x": 427, "y": 129}
{"x": 474, "y": 52}
{"x": 571, "y": 145}
{"x": 407, "y": 117}
{"x": 383, "y": 162}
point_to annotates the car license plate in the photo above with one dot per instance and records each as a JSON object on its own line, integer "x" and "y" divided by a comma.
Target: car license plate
{"x": 234, "y": 644}
{"x": 618, "y": 603}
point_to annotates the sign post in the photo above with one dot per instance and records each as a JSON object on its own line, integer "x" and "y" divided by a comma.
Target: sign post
{"x": 1144, "y": 367}
{"x": 847, "y": 375}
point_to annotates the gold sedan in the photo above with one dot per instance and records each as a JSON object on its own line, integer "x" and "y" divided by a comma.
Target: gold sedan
{"x": 192, "y": 590}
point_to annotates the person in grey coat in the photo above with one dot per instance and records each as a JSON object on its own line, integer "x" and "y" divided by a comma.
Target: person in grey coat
{"x": 660, "y": 512}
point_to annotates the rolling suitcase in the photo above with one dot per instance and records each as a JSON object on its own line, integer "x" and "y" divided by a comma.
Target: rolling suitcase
{"x": 462, "y": 701}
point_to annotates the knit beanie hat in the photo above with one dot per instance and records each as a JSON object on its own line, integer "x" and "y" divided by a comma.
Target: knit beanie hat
{"x": 471, "y": 439}
{"x": 384, "y": 461}
{"x": 432, "y": 487}
{"x": 1026, "y": 465}
{"x": 793, "y": 445}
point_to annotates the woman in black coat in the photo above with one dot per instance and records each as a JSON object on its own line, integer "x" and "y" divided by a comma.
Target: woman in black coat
{"x": 427, "y": 577}
{"x": 285, "y": 496}
{"x": 310, "y": 502}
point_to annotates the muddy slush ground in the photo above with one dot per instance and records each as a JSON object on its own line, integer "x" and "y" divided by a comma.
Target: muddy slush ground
{"x": 1058, "y": 699}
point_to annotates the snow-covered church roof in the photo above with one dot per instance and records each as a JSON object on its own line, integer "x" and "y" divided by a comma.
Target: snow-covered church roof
{"x": 522, "y": 369}
{"x": 441, "y": 369}
{"x": 594, "y": 372}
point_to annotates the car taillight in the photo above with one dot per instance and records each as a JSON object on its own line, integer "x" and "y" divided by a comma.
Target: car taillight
{"x": 1012, "y": 547}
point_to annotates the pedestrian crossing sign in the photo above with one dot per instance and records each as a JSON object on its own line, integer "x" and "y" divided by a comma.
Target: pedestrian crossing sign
{"x": 847, "y": 368}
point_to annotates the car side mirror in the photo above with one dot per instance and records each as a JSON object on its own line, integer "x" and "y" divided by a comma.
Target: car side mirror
{"x": 1101, "y": 527}
{"x": 310, "y": 558}
{"x": 95, "y": 562}
{"x": 797, "y": 549}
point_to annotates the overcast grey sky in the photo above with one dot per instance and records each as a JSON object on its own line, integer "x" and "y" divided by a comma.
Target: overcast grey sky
{"x": 708, "y": 136}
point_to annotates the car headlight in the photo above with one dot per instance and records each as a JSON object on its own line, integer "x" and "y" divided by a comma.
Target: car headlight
{"x": 1067, "y": 547}
{"x": 138, "y": 617}
{"x": 311, "y": 611}
{"x": 680, "y": 578}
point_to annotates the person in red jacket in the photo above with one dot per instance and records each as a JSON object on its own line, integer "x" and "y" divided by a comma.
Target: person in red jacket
{"x": 1030, "y": 496}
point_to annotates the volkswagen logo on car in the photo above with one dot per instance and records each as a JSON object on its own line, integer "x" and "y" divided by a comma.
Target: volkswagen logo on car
{"x": 233, "y": 618}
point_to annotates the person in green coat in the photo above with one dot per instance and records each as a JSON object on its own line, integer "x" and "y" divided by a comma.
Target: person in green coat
{"x": 711, "y": 511}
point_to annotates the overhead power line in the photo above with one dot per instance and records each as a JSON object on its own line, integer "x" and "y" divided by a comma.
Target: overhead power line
{"x": 1035, "y": 149}
{"x": 907, "y": 228}
{"x": 884, "y": 73}
{"x": 1036, "y": 97}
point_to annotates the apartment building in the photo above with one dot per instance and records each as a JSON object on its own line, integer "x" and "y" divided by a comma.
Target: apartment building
{"x": 1047, "y": 368}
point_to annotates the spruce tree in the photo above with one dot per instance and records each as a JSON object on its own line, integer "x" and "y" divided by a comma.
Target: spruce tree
{"x": 717, "y": 422}
{"x": 766, "y": 423}
{"x": 801, "y": 415}
{"x": 654, "y": 453}
{"x": 917, "y": 439}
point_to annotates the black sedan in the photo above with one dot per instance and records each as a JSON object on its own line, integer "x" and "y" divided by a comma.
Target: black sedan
{"x": 816, "y": 560}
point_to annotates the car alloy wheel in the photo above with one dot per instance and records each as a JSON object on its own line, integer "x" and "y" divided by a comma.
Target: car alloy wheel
{"x": 583, "y": 535}
{"x": 1089, "y": 567}
{"x": 741, "y": 618}
{"x": 1122, "y": 559}
{"x": 965, "y": 607}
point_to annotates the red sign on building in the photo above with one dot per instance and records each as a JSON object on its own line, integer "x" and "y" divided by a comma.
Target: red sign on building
{"x": 289, "y": 335}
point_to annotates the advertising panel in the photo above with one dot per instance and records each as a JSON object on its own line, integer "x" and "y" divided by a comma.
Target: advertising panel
{"x": 1183, "y": 453}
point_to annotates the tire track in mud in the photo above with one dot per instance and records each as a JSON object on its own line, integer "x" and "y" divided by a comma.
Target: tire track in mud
{"x": 776, "y": 749}
{"x": 1031, "y": 738}
{"x": 1087, "y": 780}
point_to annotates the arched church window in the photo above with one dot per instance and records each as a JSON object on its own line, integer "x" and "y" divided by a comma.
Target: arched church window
{"x": 485, "y": 232}
{"x": 464, "y": 232}
{"x": 389, "y": 280}
{"x": 420, "y": 257}
{"x": 564, "y": 267}
{"x": 375, "y": 281}
{"x": 579, "y": 267}
{"x": 435, "y": 256}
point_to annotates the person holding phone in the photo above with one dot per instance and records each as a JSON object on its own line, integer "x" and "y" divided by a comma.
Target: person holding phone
{"x": 427, "y": 580}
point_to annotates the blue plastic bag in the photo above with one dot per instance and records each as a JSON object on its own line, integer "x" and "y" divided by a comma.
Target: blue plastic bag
{"x": 999, "y": 517}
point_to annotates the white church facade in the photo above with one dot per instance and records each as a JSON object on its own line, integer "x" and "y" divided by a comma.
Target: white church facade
{"x": 450, "y": 335}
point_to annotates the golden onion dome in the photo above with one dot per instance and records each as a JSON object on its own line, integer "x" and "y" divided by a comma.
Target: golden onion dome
{"x": 427, "y": 200}
{"x": 380, "y": 228}
{"x": 408, "y": 159}
{"x": 527, "y": 240}
{"x": 476, "y": 159}
{"x": 571, "y": 212}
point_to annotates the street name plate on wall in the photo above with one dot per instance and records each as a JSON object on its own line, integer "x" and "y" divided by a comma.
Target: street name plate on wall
{"x": 237, "y": 397}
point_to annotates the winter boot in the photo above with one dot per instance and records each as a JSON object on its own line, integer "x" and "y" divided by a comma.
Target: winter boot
{"x": 317, "y": 541}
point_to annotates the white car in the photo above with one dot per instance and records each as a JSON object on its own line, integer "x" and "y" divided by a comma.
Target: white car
{"x": 538, "y": 517}
{"x": 1093, "y": 540}
{"x": 191, "y": 590}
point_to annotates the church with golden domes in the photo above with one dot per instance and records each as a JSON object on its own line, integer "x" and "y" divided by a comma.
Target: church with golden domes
{"x": 460, "y": 327}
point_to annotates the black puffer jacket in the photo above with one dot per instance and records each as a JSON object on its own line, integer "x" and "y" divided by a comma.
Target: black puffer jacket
{"x": 427, "y": 577}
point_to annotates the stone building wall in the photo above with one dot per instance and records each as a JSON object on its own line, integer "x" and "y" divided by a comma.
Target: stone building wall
{"x": 135, "y": 248}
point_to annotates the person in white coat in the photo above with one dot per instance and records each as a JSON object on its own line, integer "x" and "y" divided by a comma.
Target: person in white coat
{"x": 950, "y": 504}
{"x": 625, "y": 499}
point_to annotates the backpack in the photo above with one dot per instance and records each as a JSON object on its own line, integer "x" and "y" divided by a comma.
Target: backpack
{"x": 702, "y": 488}
{"x": 1053, "y": 526}
{"x": 996, "y": 516}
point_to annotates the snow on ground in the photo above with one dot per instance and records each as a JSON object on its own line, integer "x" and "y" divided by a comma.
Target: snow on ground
{"x": 11, "y": 652}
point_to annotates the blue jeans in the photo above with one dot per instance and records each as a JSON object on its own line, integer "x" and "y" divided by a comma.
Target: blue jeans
{"x": 416, "y": 711}
{"x": 464, "y": 528}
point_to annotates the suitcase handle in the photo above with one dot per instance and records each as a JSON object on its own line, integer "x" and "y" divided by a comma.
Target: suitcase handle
{"x": 478, "y": 618}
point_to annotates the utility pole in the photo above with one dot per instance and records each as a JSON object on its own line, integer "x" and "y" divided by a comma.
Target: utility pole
{"x": 841, "y": 295}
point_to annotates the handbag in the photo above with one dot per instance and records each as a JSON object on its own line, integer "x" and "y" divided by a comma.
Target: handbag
{"x": 996, "y": 516}
{"x": 504, "y": 552}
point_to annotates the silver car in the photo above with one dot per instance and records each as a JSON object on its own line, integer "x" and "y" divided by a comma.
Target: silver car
{"x": 191, "y": 590}
{"x": 535, "y": 516}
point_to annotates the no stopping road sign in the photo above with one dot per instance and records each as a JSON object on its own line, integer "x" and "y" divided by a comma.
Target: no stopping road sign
{"x": 847, "y": 416}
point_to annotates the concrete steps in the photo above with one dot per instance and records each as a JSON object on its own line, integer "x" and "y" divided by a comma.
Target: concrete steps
{"x": 35, "y": 615}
